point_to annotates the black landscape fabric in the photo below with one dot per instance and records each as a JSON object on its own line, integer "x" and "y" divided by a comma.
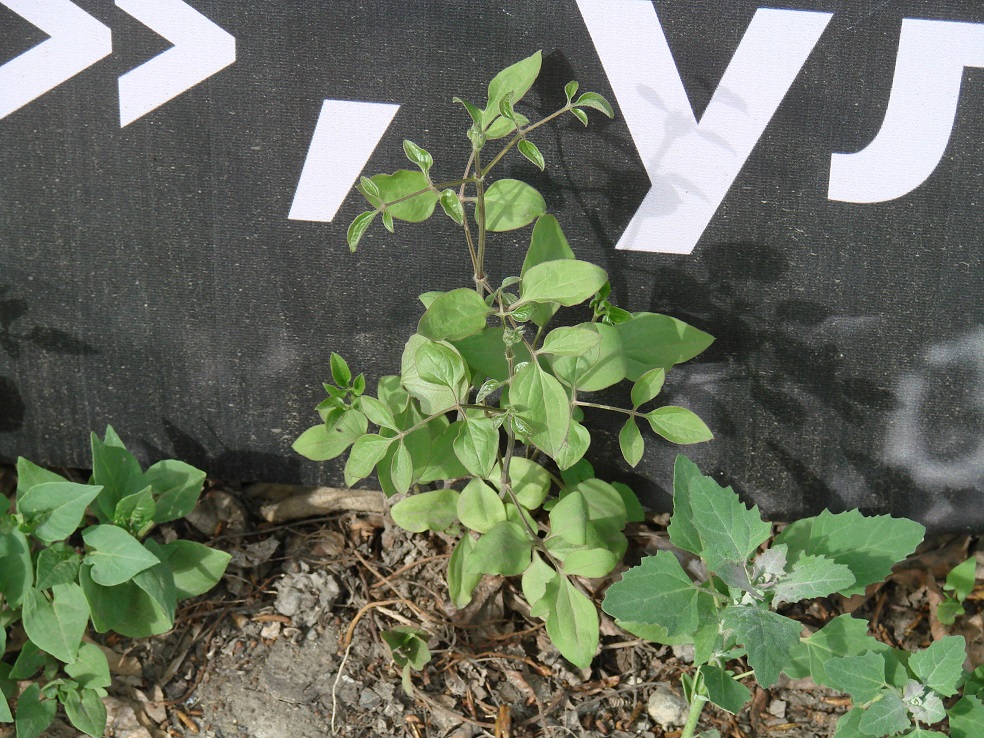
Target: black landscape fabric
{"x": 802, "y": 182}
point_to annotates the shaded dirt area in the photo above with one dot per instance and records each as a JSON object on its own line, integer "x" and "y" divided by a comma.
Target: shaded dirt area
{"x": 289, "y": 643}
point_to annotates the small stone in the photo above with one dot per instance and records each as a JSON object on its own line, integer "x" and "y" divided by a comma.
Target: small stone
{"x": 778, "y": 708}
{"x": 369, "y": 699}
{"x": 667, "y": 708}
{"x": 271, "y": 631}
{"x": 684, "y": 652}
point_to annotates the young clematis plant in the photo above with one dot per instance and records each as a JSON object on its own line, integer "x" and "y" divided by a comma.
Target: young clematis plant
{"x": 483, "y": 427}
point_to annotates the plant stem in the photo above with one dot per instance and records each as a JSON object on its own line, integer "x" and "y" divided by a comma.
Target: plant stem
{"x": 520, "y": 134}
{"x": 696, "y": 708}
{"x": 480, "y": 219}
{"x": 607, "y": 407}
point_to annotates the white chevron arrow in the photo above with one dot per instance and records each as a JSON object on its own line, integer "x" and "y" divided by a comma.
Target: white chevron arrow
{"x": 200, "y": 50}
{"x": 77, "y": 42}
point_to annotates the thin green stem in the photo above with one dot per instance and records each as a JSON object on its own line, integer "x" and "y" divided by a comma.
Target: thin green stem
{"x": 520, "y": 134}
{"x": 612, "y": 408}
{"x": 696, "y": 708}
{"x": 480, "y": 218}
{"x": 433, "y": 188}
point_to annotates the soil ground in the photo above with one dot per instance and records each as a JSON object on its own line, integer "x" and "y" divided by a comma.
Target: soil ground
{"x": 289, "y": 643}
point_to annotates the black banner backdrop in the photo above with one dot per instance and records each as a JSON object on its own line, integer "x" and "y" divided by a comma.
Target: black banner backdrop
{"x": 802, "y": 182}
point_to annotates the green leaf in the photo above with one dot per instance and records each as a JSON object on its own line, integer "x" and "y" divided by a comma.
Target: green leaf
{"x": 16, "y": 567}
{"x": 949, "y": 610}
{"x": 575, "y": 446}
{"x": 135, "y": 513}
{"x": 357, "y": 229}
{"x": 56, "y": 508}
{"x": 513, "y": 82}
{"x": 647, "y": 387}
{"x": 177, "y": 486}
{"x": 366, "y": 452}
{"x": 573, "y": 341}
{"x": 5, "y": 715}
{"x": 511, "y": 204}
{"x": 723, "y": 689}
{"x": 884, "y": 716}
{"x": 452, "y": 206}
{"x": 473, "y": 110}
{"x": 196, "y": 568}
{"x": 547, "y": 243}
{"x": 34, "y": 714}
{"x": 418, "y": 156}
{"x": 569, "y": 519}
{"x": 408, "y": 646}
{"x": 57, "y": 626}
{"x": 966, "y": 718}
{"x": 729, "y": 532}
{"x": 766, "y": 635}
{"x": 115, "y": 555}
{"x": 541, "y": 402}
{"x": 682, "y": 531}
{"x": 590, "y": 562}
{"x": 572, "y": 621}
{"x": 528, "y": 149}
{"x": 869, "y": 546}
{"x": 368, "y": 188}
{"x": 29, "y": 661}
{"x": 530, "y": 482}
{"x": 30, "y": 474}
{"x": 90, "y": 669}
{"x": 536, "y": 578}
{"x": 476, "y": 445}
{"x": 842, "y": 636}
{"x": 580, "y": 115}
{"x": 597, "y": 368}
{"x": 388, "y": 221}
{"x": 405, "y": 184}
{"x": 433, "y": 397}
{"x": 485, "y": 353}
{"x": 86, "y": 711}
{"x": 479, "y": 507}
{"x": 454, "y": 315}
{"x": 631, "y": 443}
{"x": 461, "y": 580}
{"x": 657, "y": 592}
{"x": 596, "y": 101}
{"x": 436, "y": 510}
{"x": 340, "y": 372}
{"x": 321, "y": 443}
{"x": 847, "y": 724}
{"x": 57, "y": 564}
{"x": 862, "y": 677}
{"x": 504, "y": 550}
{"x": 812, "y": 576}
{"x": 634, "y": 513}
{"x": 570, "y": 89}
{"x": 158, "y": 583}
{"x": 569, "y": 282}
{"x": 962, "y": 578}
{"x": 401, "y": 468}
{"x": 678, "y": 425}
{"x": 940, "y": 666}
{"x": 652, "y": 341}
{"x": 377, "y": 412}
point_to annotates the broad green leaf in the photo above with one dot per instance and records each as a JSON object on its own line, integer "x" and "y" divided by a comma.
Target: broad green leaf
{"x": 462, "y": 580}
{"x": 366, "y": 452}
{"x": 117, "y": 471}
{"x": 29, "y": 661}
{"x": 433, "y": 397}
{"x": 678, "y": 425}
{"x": 511, "y": 204}
{"x": 683, "y": 534}
{"x": 440, "y": 364}
{"x": 530, "y": 482}
{"x": 884, "y": 716}
{"x": 812, "y": 576}
{"x": 569, "y": 282}
{"x": 454, "y": 315}
{"x": 377, "y": 412}
{"x": 485, "y": 353}
{"x": 477, "y": 444}
{"x": 541, "y": 402}
{"x": 512, "y": 82}
{"x": 949, "y": 610}
{"x": 569, "y": 519}
{"x": 652, "y": 341}
{"x": 436, "y": 441}
{"x": 340, "y": 372}
{"x": 135, "y": 512}
{"x": 196, "y": 568}
{"x": 321, "y": 443}
{"x": 966, "y": 718}
{"x": 847, "y": 724}
{"x": 418, "y": 156}
{"x": 157, "y": 583}
{"x": 923, "y": 704}
{"x": 962, "y": 578}
{"x": 436, "y": 510}
{"x": 502, "y": 126}
{"x": 634, "y": 513}
{"x": 862, "y": 677}
{"x": 34, "y": 714}
{"x": 647, "y": 386}
{"x": 90, "y": 669}
{"x": 590, "y": 562}
{"x": 402, "y": 184}
{"x": 723, "y": 689}
{"x": 766, "y": 635}
{"x": 547, "y": 243}
{"x": 597, "y": 368}
{"x": 572, "y": 621}
{"x": 5, "y": 715}
{"x": 86, "y": 711}
{"x": 536, "y": 578}
{"x": 528, "y": 149}
{"x": 474, "y": 112}
{"x": 57, "y": 564}
{"x": 575, "y": 446}
{"x": 657, "y": 592}
{"x": 57, "y": 626}
{"x": 940, "y": 666}
{"x": 56, "y": 508}
{"x": 573, "y": 341}
{"x": 408, "y": 646}
{"x": 570, "y": 89}
{"x": 115, "y": 556}
{"x": 631, "y": 443}
{"x": 729, "y": 532}
{"x": 923, "y": 733}
{"x": 596, "y": 101}
{"x": 30, "y": 474}
{"x": 16, "y": 567}
{"x": 505, "y": 549}
{"x": 401, "y": 468}
{"x": 479, "y": 507}
{"x": 177, "y": 486}
{"x": 358, "y": 227}
{"x": 842, "y": 636}
{"x": 452, "y": 207}
{"x": 869, "y": 546}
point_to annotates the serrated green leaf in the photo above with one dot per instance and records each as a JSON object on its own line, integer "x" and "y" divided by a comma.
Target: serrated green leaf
{"x": 452, "y": 206}
{"x": 479, "y": 507}
{"x": 729, "y": 532}
{"x": 596, "y": 101}
{"x": 812, "y": 576}
{"x": 847, "y": 724}
{"x": 358, "y": 227}
{"x": 476, "y": 445}
{"x": 568, "y": 282}
{"x": 842, "y": 636}
{"x": 511, "y": 204}
{"x": 540, "y": 401}
{"x": 572, "y": 621}
{"x": 454, "y": 315}
{"x": 678, "y": 425}
{"x": 505, "y": 549}
{"x": 115, "y": 556}
{"x": 940, "y": 666}
{"x": 869, "y": 546}
{"x": 196, "y": 568}
{"x": 723, "y": 689}
{"x": 528, "y": 149}
{"x": 683, "y": 534}
{"x": 572, "y": 341}
{"x": 966, "y": 718}
{"x": 647, "y": 386}
{"x": 461, "y": 580}
{"x": 766, "y": 635}
{"x": 436, "y": 510}
{"x": 884, "y": 716}
{"x": 631, "y": 443}
{"x": 56, "y": 508}
{"x": 862, "y": 677}
{"x": 57, "y": 626}
{"x": 656, "y": 592}
{"x": 34, "y": 714}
